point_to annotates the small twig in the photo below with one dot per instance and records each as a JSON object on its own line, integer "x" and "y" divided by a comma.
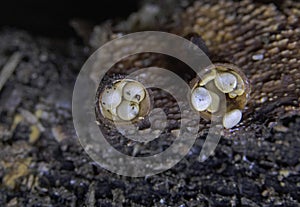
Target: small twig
{"x": 9, "y": 68}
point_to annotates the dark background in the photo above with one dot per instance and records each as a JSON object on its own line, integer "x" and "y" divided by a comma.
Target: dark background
{"x": 255, "y": 165}
{"x": 52, "y": 18}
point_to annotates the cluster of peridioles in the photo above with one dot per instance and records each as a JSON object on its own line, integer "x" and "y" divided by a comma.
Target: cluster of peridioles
{"x": 218, "y": 80}
{"x": 125, "y": 100}
{"x": 128, "y": 100}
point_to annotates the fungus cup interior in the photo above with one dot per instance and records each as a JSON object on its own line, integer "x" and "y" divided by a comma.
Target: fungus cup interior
{"x": 236, "y": 102}
{"x": 107, "y": 118}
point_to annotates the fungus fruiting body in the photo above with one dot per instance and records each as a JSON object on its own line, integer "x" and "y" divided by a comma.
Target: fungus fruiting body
{"x": 221, "y": 81}
{"x": 125, "y": 100}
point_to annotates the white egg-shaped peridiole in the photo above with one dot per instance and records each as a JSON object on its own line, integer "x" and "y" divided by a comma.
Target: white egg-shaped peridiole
{"x": 215, "y": 102}
{"x": 119, "y": 85}
{"x": 225, "y": 82}
{"x": 201, "y": 98}
{"x": 128, "y": 110}
{"x": 110, "y": 99}
{"x": 232, "y": 118}
{"x": 208, "y": 77}
{"x": 134, "y": 91}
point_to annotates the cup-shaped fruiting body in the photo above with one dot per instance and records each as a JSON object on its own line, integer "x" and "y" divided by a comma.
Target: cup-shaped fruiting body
{"x": 124, "y": 100}
{"x": 221, "y": 82}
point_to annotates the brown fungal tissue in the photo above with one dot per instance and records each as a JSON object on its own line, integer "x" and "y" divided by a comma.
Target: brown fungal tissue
{"x": 263, "y": 41}
{"x": 259, "y": 44}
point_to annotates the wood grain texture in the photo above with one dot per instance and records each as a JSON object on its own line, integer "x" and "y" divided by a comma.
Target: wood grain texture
{"x": 264, "y": 41}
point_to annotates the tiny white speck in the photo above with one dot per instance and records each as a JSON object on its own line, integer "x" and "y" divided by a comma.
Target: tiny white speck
{"x": 162, "y": 201}
{"x": 258, "y": 57}
{"x": 263, "y": 99}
